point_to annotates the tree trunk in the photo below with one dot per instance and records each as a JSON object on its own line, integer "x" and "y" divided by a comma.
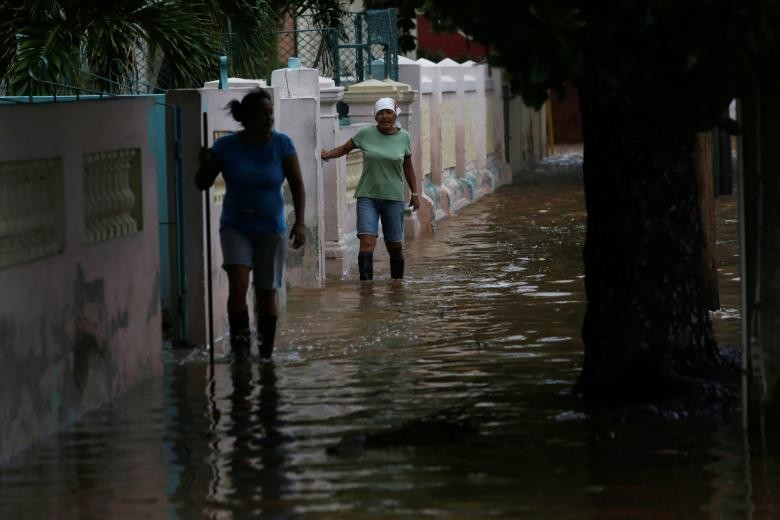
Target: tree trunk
{"x": 647, "y": 331}
{"x": 705, "y": 188}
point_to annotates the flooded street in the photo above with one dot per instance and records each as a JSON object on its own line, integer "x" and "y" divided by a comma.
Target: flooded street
{"x": 485, "y": 327}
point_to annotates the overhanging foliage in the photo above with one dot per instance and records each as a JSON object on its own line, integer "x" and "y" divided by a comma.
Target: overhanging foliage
{"x": 677, "y": 63}
{"x": 110, "y": 38}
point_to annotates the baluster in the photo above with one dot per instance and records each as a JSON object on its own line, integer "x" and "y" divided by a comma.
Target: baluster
{"x": 90, "y": 198}
{"x": 128, "y": 197}
{"x": 104, "y": 194}
{"x": 109, "y": 194}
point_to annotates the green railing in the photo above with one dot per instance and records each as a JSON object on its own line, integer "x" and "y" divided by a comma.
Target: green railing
{"x": 365, "y": 45}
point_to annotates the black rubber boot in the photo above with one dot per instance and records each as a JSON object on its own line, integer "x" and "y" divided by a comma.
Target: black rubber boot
{"x": 397, "y": 264}
{"x": 366, "y": 265}
{"x": 266, "y": 332}
{"x": 240, "y": 335}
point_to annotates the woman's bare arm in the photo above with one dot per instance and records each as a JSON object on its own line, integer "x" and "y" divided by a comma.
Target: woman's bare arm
{"x": 292, "y": 172}
{"x": 338, "y": 151}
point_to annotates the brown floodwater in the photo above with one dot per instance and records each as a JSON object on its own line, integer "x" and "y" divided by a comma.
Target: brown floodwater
{"x": 485, "y": 326}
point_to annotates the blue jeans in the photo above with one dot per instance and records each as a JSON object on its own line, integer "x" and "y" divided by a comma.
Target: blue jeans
{"x": 391, "y": 213}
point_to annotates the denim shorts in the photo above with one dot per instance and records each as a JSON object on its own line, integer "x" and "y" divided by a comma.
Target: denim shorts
{"x": 391, "y": 213}
{"x": 264, "y": 254}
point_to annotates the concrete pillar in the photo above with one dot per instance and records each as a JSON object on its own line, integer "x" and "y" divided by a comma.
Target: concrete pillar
{"x": 500, "y": 166}
{"x": 361, "y": 98}
{"x": 430, "y": 110}
{"x": 337, "y": 258}
{"x": 454, "y": 70}
{"x": 451, "y": 122}
{"x": 410, "y": 73}
{"x": 485, "y": 181}
{"x": 479, "y": 72}
{"x": 299, "y": 117}
{"x": 471, "y": 176}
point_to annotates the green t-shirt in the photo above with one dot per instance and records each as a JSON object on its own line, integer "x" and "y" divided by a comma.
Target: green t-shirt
{"x": 383, "y": 163}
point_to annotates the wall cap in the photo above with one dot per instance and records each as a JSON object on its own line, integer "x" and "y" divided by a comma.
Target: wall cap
{"x": 237, "y": 83}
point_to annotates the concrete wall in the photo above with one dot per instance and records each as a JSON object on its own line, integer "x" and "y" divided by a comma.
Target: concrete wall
{"x": 79, "y": 261}
{"x": 334, "y": 180}
{"x": 431, "y": 140}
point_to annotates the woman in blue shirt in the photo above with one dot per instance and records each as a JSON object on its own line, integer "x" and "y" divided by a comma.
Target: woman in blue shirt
{"x": 253, "y": 234}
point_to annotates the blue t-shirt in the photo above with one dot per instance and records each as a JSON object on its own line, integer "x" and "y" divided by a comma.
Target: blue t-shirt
{"x": 253, "y": 182}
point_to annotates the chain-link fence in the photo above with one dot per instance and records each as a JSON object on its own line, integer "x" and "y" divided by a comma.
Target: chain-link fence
{"x": 314, "y": 47}
{"x": 364, "y": 45}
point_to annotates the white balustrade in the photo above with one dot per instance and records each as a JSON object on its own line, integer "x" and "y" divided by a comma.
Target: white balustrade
{"x": 30, "y": 212}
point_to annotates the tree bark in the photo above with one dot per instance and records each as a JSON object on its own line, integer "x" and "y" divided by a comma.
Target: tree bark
{"x": 647, "y": 331}
{"x": 705, "y": 188}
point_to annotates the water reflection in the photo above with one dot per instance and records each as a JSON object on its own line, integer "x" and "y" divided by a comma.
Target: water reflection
{"x": 487, "y": 322}
{"x": 188, "y": 436}
{"x": 248, "y": 450}
{"x": 726, "y": 320}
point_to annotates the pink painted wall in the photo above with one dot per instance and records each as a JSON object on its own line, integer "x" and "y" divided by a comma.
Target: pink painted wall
{"x": 81, "y": 326}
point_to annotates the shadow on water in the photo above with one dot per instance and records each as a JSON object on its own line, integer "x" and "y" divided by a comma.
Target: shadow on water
{"x": 487, "y": 323}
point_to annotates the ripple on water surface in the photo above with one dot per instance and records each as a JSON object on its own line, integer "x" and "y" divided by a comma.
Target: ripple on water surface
{"x": 486, "y": 326}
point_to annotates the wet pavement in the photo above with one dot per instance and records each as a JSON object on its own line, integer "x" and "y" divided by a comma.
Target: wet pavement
{"x": 486, "y": 327}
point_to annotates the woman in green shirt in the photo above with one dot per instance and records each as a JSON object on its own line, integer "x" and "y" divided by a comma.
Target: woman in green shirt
{"x": 387, "y": 161}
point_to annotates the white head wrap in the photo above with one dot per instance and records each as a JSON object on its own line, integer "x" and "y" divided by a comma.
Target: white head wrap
{"x": 387, "y": 103}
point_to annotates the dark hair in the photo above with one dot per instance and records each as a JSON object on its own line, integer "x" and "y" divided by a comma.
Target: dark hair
{"x": 239, "y": 109}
